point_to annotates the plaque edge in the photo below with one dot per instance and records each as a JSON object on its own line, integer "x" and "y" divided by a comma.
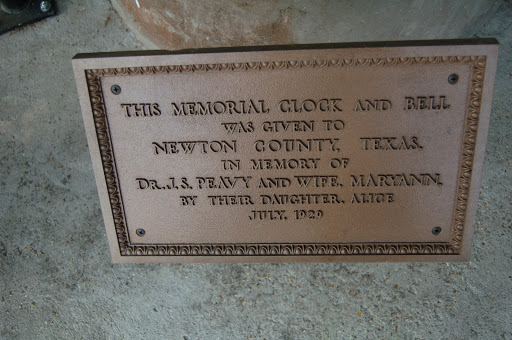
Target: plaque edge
{"x": 295, "y": 47}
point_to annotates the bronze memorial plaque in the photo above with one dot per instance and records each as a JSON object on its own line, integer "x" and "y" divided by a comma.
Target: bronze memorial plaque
{"x": 339, "y": 152}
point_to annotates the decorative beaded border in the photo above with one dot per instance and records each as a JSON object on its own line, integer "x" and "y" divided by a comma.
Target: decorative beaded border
{"x": 477, "y": 63}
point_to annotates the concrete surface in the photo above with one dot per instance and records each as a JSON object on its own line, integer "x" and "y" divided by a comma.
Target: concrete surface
{"x": 56, "y": 279}
{"x": 183, "y": 24}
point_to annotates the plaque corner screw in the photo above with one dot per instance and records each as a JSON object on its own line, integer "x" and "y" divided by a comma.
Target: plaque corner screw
{"x": 453, "y": 78}
{"x": 116, "y": 89}
{"x": 140, "y": 232}
{"x": 45, "y": 6}
{"x": 436, "y": 230}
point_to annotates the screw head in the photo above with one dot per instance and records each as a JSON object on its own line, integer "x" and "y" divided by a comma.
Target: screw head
{"x": 140, "y": 232}
{"x": 436, "y": 230}
{"x": 116, "y": 89}
{"x": 453, "y": 78}
{"x": 45, "y": 6}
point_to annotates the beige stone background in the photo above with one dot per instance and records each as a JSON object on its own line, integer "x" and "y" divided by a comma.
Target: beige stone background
{"x": 180, "y": 24}
{"x": 56, "y": 278}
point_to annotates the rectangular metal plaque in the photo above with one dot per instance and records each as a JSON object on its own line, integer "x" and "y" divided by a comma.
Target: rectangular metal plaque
{"x": 338, "y": 152}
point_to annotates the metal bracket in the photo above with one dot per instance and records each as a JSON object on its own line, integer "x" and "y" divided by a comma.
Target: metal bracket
{"x": 15, "y": 14}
